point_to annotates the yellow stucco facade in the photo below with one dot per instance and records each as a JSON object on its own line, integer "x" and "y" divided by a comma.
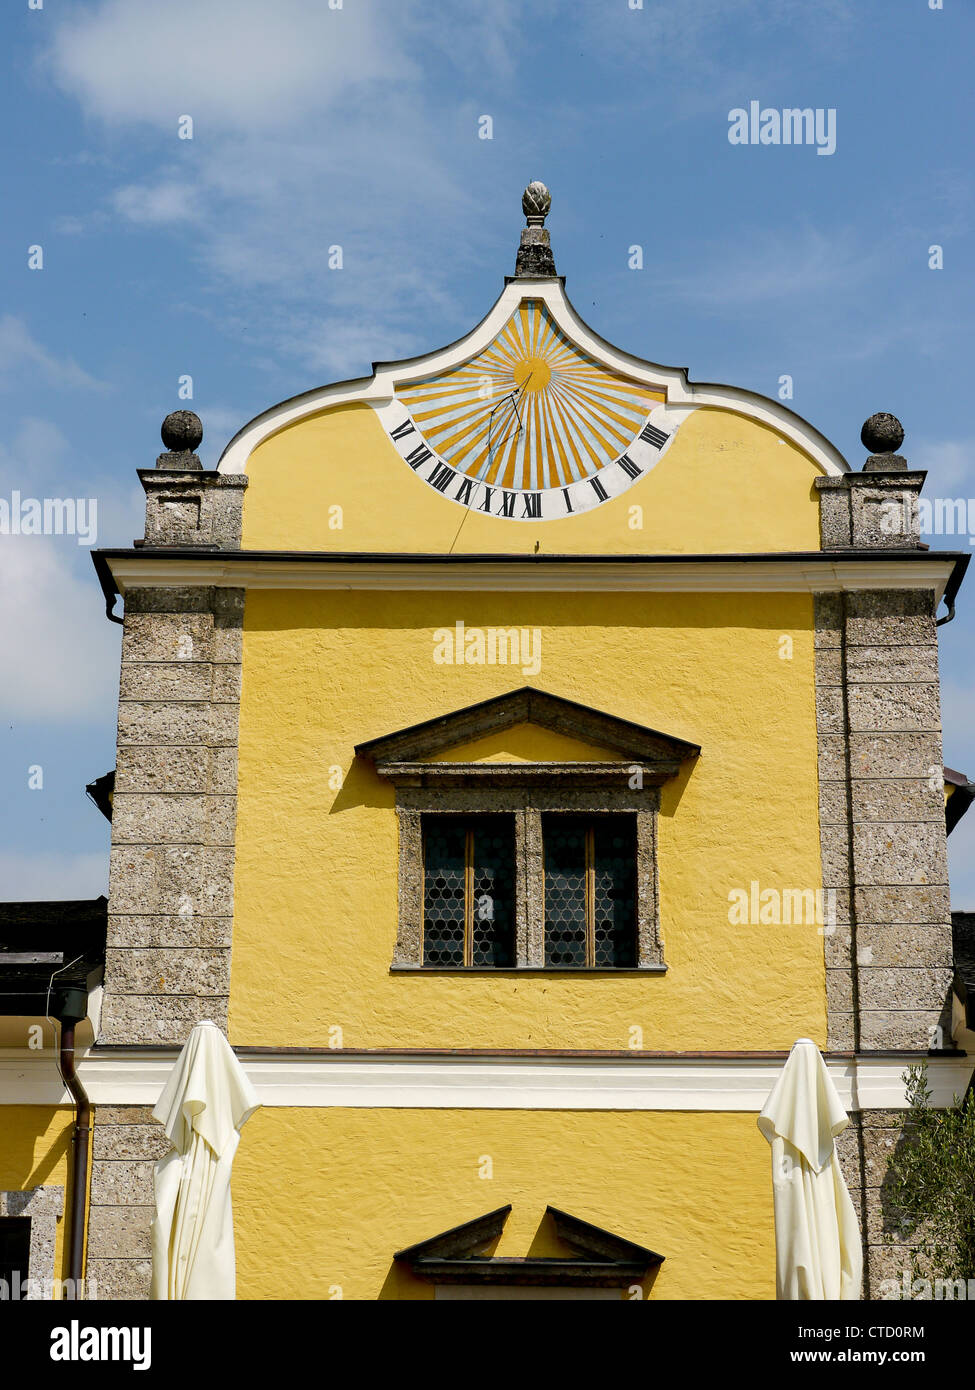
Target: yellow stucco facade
{"x": 353, "y": 572}
{"x": 692, "y": 502}
{"x": 316, "y": 861}
{"x": 695, "y": 1188}
{"x": 322, "y": 672}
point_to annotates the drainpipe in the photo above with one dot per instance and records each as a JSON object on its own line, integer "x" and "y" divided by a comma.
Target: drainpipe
{"x": 948, "y": 616}
{"x": 80, "y": 1141}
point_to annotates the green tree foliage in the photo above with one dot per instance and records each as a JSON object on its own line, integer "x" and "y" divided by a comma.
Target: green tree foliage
{"x": 929, "y": 1190}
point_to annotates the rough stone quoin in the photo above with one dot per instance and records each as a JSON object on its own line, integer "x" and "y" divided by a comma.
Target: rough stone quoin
{"x": 882, "y": 827}
{"x": 175, "y": 800}
{"x": 126, "y": 1145}
{"x": 174, "y": 814}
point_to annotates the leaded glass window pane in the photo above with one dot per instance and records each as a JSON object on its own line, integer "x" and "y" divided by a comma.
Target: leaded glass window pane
{"x": 444, "y": 841}
{"x": 614, "y": 890}
{"x": 565, "y": 889}
{"x": 468, "y": 891}
{"x": 590, "y": 890}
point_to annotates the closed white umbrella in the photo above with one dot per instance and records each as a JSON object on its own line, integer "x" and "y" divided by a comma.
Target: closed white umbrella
{"x": 818, "y": 1254}
{"x": 203, "y": 1106}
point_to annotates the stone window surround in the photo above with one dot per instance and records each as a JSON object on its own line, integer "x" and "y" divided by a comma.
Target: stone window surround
{"x": 527, "y": 803}
{"x": 44, "y": 1206}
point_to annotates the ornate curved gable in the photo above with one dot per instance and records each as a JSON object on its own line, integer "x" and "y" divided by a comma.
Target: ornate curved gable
{"x": 531, "y": 418}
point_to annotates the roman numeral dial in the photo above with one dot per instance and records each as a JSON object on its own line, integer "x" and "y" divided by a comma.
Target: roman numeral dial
{"x": 530, "y": 428}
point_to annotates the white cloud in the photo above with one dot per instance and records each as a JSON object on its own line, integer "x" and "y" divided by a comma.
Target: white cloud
{"x": 19, "y": 350}
{"x": 267, "y": 213}
{"x": 316, "y": 127}
{"x": 51, "y": 877}
{"x": 335, "y": 348}
{"x": 687, "y": 47}
{"x": 950, "y": 462}
{"x": 69, "y": 225}
{"x": 41, "y": 462}
{"x": 230, "y": 64}
{"x": 155, "y": 204}
{"x": 313, "y": 128}
{"x": 33, "y": 455}
{"x": 696, "y": 30}
{"x": 54, "y": 633}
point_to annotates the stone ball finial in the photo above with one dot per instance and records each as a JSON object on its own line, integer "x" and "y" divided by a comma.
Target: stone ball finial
{"x": 883, "y": 433}
{"x": 181, "y": 431}
{"x": 536, "y": 202}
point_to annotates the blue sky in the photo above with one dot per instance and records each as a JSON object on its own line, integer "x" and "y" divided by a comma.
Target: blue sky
{"x": 358, "y": 126}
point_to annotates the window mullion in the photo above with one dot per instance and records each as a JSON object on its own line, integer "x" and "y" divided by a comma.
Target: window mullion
{"x": 532, "y": 881}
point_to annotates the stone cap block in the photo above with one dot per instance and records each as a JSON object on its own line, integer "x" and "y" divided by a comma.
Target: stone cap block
{"x": 185, "y": 507}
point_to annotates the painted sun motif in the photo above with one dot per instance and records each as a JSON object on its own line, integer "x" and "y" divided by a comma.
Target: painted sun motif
{"x": 532, "y": 411}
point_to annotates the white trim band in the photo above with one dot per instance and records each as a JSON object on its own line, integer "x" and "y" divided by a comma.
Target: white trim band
{"x": 484, "y": 1083}
{"x": 556, "y": 576}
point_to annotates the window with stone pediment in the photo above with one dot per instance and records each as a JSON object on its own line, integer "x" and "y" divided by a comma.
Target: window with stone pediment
{"x": 528, "y": 865}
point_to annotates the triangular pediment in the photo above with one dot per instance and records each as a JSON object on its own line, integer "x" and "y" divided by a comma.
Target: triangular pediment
{"x": 527, "y": 743}
{"x": 460, "y": 1242}
{"x": 594, "y": 1256}
{"x": 431, "y": 739}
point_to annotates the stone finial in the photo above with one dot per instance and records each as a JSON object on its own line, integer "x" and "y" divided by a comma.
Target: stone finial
{"x": 182, "y": 432}
{"x": 883, "y": 434}
{"x": 535, "y": 259}
{"x": 190, "y": 505}
{"x": 536, "y": 202}
{"x": 879, "y": 510}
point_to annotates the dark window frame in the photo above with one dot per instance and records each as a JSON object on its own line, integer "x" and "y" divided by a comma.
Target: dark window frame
{"x": 590, "y": 822}
{"x": 470, "y": 824}
{"x": 528, "y": 803}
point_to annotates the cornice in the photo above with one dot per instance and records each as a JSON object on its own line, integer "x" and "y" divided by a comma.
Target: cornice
{"x": 472, "y": 1081}
{"x": 786, "y": 572}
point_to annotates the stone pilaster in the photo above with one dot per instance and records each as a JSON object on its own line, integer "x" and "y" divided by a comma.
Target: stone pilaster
{"x": 44, "y": 1208}
{"x": 873, "y": 1137}
{"x": 900, "y": 851}
{"x": 882, "y": 826}
{"x": 884, "y": 853}
{"x": 126, "y": 1144}
{"x": 170, "y": 908}
{"x": 174, "y": 816}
